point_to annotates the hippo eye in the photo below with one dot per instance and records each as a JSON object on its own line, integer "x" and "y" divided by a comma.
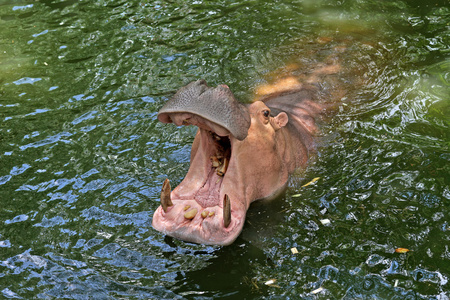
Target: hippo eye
{"x": 266, "y": 113}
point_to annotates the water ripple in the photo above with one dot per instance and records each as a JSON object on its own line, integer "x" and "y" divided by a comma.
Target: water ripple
{"x": 60, "y": 137}
{"x": 113, "y": 219}
{"x": 27, "y": 80}
{"x": 122, "y": 257}
{"x": 83, "y": 157}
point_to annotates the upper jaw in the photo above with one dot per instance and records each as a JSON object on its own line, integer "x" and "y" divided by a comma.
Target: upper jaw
{"x": 215, "y": 105}
{"x": 186, "y": 118}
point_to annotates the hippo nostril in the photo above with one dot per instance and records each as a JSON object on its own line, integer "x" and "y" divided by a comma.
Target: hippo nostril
{"x": 226, "y": 211}
{"x": 165, "y": 195}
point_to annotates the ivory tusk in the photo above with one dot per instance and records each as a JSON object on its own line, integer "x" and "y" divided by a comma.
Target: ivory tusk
{"x": 226, "y": 211}
{"x": 165, "y": 195}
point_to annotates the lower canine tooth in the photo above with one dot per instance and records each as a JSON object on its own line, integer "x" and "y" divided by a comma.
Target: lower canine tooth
{"x": 165, "y": 195}
{"x": 205, "y": 214}
{"x": 226, "y": 211}
{"x": 191, "y": 214}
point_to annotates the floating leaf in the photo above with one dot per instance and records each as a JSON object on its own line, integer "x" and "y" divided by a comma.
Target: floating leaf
{"x": 311, "y": 182}
{"x": 294, "y": 250}
{"x": 401, "y": 250}
{"x": 296, "y": 195}
{"x": 317, "y": 291}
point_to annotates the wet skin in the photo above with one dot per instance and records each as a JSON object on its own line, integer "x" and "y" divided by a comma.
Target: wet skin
{"x": 232, "y": 166}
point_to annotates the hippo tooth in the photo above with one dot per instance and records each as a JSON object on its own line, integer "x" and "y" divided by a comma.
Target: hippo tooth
{"x": 221, "y": 170}
{"x": 215, "y": 161}
{"x": 205, "y": 214}
{"x": 190, "y": 214}
{"x": 226, "y": 211}
{"x": 165, "y": 195}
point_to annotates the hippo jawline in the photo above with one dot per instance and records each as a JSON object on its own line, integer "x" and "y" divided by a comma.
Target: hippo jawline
{"x": 206, "y": 207}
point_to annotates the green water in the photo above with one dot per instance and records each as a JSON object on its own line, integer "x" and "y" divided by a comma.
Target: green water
{"x": 83, "y": 158}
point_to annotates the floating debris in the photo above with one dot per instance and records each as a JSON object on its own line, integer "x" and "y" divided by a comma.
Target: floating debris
{"x": 311, "y": 182}
{"x": 294, "y": 250}
{"x": 325, "y": 221}
{"x": 316, "y": 291}
{"x": 401, "y": 250}
{"x": 271, "y": 283}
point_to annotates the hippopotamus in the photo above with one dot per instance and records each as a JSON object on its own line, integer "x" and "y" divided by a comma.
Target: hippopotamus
{"x": 241, "y": 153}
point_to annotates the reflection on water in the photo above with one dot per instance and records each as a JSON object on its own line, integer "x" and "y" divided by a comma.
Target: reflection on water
{"x": 82, "y": 157}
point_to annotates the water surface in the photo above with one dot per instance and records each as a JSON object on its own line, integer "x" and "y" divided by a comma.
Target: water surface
{"x": 83, "y": 158}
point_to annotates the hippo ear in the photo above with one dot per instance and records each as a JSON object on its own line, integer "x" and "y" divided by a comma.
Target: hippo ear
{"x": 280, "y": 120}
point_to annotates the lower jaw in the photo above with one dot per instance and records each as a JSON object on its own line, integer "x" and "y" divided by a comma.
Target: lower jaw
{"x": 209, "y": 230}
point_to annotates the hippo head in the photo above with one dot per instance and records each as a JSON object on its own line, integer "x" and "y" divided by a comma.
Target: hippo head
{"x": 238, "y": 156}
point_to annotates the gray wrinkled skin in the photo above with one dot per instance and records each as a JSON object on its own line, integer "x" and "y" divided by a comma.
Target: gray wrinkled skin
{"x": 217, "y": 105}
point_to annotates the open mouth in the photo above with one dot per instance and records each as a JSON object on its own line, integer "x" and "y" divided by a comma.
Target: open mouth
{"x": 216, "y": 163}
{"x": 211, "y": 172}
{"x": 208, "y": 206}
{"x": 200, "y": 209}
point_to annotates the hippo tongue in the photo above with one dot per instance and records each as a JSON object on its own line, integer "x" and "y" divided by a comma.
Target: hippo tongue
{"x": 214, "y": 109}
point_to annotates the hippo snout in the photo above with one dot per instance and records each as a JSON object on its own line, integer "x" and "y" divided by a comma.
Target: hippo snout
{"x": 214, "y": 105}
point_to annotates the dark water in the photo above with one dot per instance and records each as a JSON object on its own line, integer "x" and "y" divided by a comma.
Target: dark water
{"x": 83, "y": 158}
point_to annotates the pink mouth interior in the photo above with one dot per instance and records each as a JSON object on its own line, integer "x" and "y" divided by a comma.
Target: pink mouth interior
{"x": 209, "y": 194}
{"x": 216, "y": 143}
{"x": 203, "y": 189}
